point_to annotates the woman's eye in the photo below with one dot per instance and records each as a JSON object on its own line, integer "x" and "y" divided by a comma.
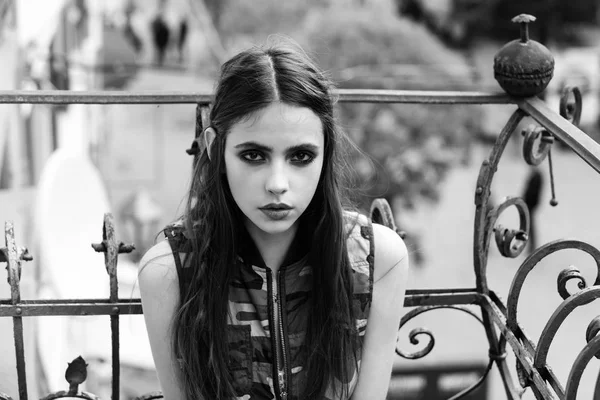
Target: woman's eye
{"x": 252, "y": 156}
{"x": 302, "y": 157}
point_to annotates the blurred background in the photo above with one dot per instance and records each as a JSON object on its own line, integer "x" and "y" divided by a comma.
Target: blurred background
{"x": 63, "y": 166}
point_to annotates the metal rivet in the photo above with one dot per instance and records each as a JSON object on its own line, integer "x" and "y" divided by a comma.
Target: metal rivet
{"x": 479, "y": 190}
{"x": 115, "y": 310}
{"x": 18, "y": 311}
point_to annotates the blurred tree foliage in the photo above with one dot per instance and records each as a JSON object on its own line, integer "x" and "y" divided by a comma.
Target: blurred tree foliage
{"x": 257, "y": 19}
{"x": 412, "y": 145}
{"x": 557, "y": 20}
{"x": 369, "y": 46}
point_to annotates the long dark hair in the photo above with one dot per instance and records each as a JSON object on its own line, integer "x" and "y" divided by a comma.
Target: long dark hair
{"x": 249, "y": 82}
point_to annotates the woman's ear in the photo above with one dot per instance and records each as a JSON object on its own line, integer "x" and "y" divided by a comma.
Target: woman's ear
{"x": 209, "y": 138}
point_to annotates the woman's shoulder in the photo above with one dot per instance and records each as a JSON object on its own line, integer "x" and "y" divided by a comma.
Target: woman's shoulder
{"x": 390, "y": 251}
{"x": 368, "y": 237}
{"x": 157, "y": 266}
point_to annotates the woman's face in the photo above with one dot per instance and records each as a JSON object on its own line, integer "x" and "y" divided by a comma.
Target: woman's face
{"x": 273, "y": 164}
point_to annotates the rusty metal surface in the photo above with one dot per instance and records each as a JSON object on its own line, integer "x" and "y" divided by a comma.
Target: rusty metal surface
{"x": 202, "y": 122}
{"x": 522, "y": 355}
{"x": 343, "y": 95}
{"x": 14, "y": 276}
{"x": 84, "y": 307}
{"x": 485, "y": 217}
{"x": 591, "y": 349}
{"x": 422, "y": 331}
{"x": 583, "y": 145}
{"x": 70, "y": 307}
{"x": 417, "y": 332}
{"x": 75, "y": 375}
{"x": 483, "y": 228}
{"x": 567, "y": 274}
{"x": 574, "y": 301}
{"x": 510, "y": 242}
{"x": 111, "y": 249}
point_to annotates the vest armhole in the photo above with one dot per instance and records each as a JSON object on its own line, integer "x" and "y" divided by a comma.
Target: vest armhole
{"x": 367, "y": 233}
{"x": 174, "y": 243}
{"x": 371, "y": 257}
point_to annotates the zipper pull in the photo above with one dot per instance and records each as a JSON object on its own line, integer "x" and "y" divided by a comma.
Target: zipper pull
{"x": 282, "y": 386}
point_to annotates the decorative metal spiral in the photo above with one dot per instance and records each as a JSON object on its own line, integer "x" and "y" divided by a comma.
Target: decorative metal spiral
{"x": 566, "y": 275}
{"x": 423, "y": 331}
{"x": 430, "y": 344}
{"x": 510, "y": 242}
{"x": 414, "y": 340}
{"x": 591, "y": 349}
{"x": 571, "y": 272}
{"x": 570, "y": 111}
{"x": 592, "y": 330}
{"x": 559, "y": 316}
{"x": 537, "y": 143}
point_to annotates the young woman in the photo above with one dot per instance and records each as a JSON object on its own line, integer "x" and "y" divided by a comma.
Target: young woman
{"x": 267, "y": 288}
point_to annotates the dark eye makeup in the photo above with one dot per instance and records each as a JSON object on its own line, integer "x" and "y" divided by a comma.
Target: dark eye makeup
{"x": 303, "y": 157}
{"x": 300, "y": 157}
{"x": 252, "y": 156}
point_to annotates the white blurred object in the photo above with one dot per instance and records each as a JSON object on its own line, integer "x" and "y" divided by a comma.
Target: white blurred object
{"x": 38, "y": 20}
{"x": 69, "y": 211}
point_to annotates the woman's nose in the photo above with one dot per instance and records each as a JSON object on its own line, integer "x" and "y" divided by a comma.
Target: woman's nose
{"x": 277, "y": 182}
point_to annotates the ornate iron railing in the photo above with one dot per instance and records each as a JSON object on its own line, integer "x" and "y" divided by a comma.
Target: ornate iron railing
{"x": 499, "y": 319}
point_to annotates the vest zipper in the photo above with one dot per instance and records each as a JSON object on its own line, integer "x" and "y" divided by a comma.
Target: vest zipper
{"x": 280, "y": 340}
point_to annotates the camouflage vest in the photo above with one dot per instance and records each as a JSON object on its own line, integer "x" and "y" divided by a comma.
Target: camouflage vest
{"x": 252, "y": 304}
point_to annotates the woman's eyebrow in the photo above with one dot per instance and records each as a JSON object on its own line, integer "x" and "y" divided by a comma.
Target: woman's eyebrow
{"x": 254, "y": 146}
{"x": 267, "y": 149}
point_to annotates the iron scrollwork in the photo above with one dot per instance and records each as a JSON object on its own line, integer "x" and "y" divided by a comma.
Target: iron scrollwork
{"x": 567, "y": 274}
{"x": 578, "y": 299}
{"x": 571, "y": 111}
{"x": 75, "y": 375}
{"x": 381, "y": 213}
{"x": 431, "y": 343}
{"x": 583, "y": 358}
{"x": 537, "y": 143}
{"x": 510, "y": 242}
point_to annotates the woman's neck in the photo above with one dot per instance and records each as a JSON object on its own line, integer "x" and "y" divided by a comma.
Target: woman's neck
{"x": 273, "y": 247}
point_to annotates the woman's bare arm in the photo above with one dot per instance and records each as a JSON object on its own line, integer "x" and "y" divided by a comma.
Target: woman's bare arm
{"x": 389, "y": 277}
{"x": 159, "y": 288}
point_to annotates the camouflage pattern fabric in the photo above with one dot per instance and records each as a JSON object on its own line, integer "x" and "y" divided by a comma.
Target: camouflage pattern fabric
{"x": 251, "y": 306}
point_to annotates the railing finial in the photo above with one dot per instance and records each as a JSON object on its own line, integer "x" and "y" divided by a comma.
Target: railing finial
{"x": 523, "y": 67}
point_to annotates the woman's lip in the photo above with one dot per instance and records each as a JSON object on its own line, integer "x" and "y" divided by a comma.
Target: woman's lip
{"x": 276, "y": 208}
{"x": 276, "y": 214}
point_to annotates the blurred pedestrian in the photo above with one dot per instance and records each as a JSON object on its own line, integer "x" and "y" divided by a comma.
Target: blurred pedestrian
{"x": 531, "y": 196}
{"x": 130, "y": 35}
{"x": 160, "y": 37}
{"x": 183, "y": 32}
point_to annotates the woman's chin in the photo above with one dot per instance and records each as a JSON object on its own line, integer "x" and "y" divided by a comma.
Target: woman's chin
{"x": 267, "y": 226}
